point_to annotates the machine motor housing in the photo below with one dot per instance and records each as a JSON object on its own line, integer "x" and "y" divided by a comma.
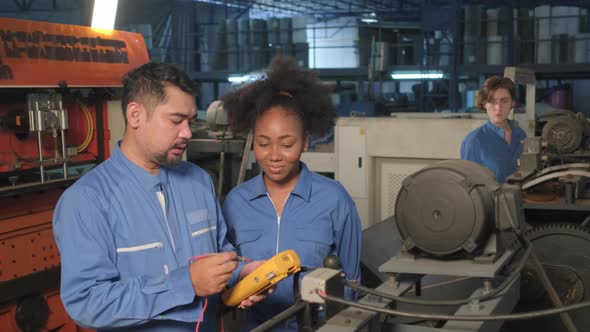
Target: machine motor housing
{"x": 450, "y": 209}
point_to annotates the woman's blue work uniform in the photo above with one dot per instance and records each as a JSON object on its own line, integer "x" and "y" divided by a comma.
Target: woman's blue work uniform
{"x": 486, "y": 146}
{"x": 319, "y": 218}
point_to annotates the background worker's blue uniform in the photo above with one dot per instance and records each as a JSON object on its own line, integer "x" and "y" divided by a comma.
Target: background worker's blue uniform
{"x": 319, "y": 218}
{"x": 125, "y": 262}
{"x": 486, "y": 146}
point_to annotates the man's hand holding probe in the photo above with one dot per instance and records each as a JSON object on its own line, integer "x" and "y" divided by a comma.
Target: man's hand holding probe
{"x": 210, "y": 273}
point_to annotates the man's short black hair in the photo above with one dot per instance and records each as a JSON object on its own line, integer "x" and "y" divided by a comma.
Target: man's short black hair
{"x": 146, "y": 84}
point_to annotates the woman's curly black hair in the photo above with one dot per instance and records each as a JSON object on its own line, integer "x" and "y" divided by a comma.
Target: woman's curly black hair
{"x": 286, "y": 85}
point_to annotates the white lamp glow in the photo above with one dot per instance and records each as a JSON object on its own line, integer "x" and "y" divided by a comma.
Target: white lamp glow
{"x": 416, "y": 75}
{"x": 103, "y": 16}
{"x": 250, "y": 77}
{"x": 239, "y": 79}
{"x": 369, "y": 18}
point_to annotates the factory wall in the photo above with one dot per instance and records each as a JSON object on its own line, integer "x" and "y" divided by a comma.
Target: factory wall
{"x": 77, "y": 12}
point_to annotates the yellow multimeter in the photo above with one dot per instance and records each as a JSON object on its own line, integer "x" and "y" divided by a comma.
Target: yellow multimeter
{"x": 264, "y": 277}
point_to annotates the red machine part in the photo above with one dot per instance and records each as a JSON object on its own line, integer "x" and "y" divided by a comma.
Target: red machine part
{"x": 26, "y": 237}
{"x": 27, "y": 248}
{"x": 46, "y": 57}
{"x": 58, "y": 319}
{"x": 20, "y": 153}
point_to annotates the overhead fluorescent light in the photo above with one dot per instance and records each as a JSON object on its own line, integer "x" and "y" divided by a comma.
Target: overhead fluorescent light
{"x": 103, "y": 16}
{"x": 430, "y": 75}
{"x": 238, "y": 78}
{"x": 369, "y": 18}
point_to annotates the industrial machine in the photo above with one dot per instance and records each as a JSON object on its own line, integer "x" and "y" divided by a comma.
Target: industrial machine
{"x": 224, "y": 155}
{"x": 454, "y": 209}
{"x": 450, "y": 216}
{"x": 454, "y": 222}
{"x": 56, "y": 86}
{"x": 550, "y": 177}
{"x": 554, "y": 174}
{"x": 556, "y": 162}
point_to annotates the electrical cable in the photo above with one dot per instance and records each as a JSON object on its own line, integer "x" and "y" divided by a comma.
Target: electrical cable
{"x": 194, "y": 259}
{"x": 202, "y": 314}
{"x": 82, "y": 145}
{"x": 486, "y": 296}
{"x": 89, "y": 128}
{"x": 519, "y": 316}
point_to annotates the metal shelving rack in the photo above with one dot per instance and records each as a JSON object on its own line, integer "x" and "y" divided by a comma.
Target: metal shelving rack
{"x": 460, "y": 72}
{"x": 455, "y": 70}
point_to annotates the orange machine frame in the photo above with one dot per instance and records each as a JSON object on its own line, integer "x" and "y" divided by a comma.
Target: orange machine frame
{"x": 47, "y": 57}
{"x": 41, "y": 54}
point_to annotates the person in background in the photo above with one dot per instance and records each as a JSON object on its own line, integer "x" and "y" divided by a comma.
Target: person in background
{"x": 497, "y": 144}
{"x": 141, "y": 237}
{"x": 288, "y": 206}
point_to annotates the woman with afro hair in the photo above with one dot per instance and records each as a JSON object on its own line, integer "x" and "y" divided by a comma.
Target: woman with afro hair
{"x": 288, "y": 206}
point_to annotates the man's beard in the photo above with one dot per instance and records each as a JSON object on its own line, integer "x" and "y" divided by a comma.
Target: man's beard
{"x": 165, "y": 160}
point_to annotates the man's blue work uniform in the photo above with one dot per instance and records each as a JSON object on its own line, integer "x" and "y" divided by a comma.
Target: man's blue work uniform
{"x": 125, "y": 261}
{"x": 319, "y": 218}
{"x": 486, "y": 146}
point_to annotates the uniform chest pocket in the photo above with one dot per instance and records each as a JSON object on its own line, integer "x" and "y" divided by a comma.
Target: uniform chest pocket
{"x": 199, "y": 223}
{"x": 144, "y": 259}
{"x": 247, "y": 242}
{"x": 315, "y": 243}
{"x": 202, "y": 230}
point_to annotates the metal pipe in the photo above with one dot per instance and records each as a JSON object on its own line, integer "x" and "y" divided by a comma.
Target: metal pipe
{"x": 100, "y": 127}
{"x": 221, "y": 167}
{"x": 221, "y": 173}
{"x": 63, "y": 152}
{"x": 63, "y": 125}
{"x": 287, "y": 313}
{"x": 41, "y": 168}
{"x": 245, "y": 157}
{"x": 555, "y": 299}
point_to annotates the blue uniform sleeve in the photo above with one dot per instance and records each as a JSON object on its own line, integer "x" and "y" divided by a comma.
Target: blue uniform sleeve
{"x": 225, "y": 245}
{"x": 471, "y": 150}
{"x": 90, "y": 287}
{"x": 349, "y": 244}
{"x": 222, "y": 242}
{"x": 227, "y": 213}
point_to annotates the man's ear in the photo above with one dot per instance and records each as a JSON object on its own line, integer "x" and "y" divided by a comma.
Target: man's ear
{"x": 135, "y": 113}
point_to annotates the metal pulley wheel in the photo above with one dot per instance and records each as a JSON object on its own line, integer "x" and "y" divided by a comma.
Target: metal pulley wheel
{"x": 216, "y": 116}
{"x": 446, "y": 210}
{"x": 563, "y": 133}
{"x": 563, "y": 251}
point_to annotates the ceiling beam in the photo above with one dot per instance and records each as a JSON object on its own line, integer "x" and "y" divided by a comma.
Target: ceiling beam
{"x": 23, "y": 5}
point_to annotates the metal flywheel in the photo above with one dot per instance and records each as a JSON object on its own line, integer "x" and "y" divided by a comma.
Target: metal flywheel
{"x": 564, "y": 251}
